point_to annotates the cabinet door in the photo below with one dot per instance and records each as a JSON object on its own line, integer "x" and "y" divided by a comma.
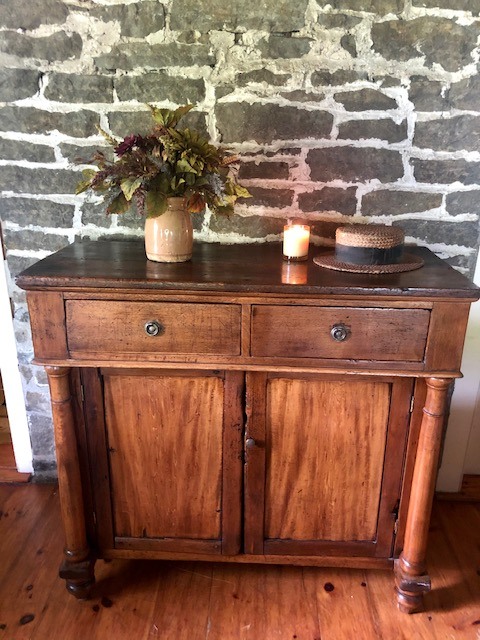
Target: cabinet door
{"x": 324, "y": 460}
{"x": 172, "y": 474}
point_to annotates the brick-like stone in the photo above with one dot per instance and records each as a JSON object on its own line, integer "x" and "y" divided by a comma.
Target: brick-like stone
{"x": 20, "y": 150}
{"x": 324, "y": 78}
{"x": 16, "y": 84}
{"x": 302, "y": 96}
{"x": 137, "y": 20}
{"x": 42, "y": 181}
{"x": 365, "y": 100}
{"x": 33, "y": 240}
{"x": 28, "y": 14}
{"x": 338, "y": 21}
{"x": 466, "y": 263}
{"x": 29, "y": 120}
{"x": 262, "y": 197}
{"x": 440, "y": 40}
{"x": 155, "y": 87}
{"x": 37, "y": 401}
{"x": 466, "y": 93}
{"x": 251, "y": 226}
{"x": 392, "y": 203}
{"x": 156, "y": 56}
{"x": 131, "y": 219}
{"x": 125, "y": 123}
{"x": 375, "y": 6}
{"x": 325, "y": 229}
{"x": 449, "y": 134}
{"x": 265, "y": 170}
{"x": 17, "y": 264}
{"x": 349, "y": 43}
{"x": 463, "y": 202}
{"x": 79, "y": 154}
{"x": 464, "y": 234}
{"x": 262, "y": 75}
{"x": 428, "y": 95}
{"x": 44, "y": 471}
{"x": 65, "y": 87}
{"x": 58, "y": 46}
{"x": 386, "y": 81}
{"x": 263, "y": 15}
{"x": 446, "y": 171}
{"x": 95, "y": 214}
{"x": 329, "y": 199}
{"x": 384, "y": 129}
{"x": 238, "y": 122}
{"x": 41, "y": 434}
{"x": 354, "y": 165}
{"x": 25, "y": 211}
{"x": 456, "y": 5}
{"x": 278, "y": 46}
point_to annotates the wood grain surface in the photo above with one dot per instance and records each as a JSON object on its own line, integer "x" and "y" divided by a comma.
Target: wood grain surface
{"x": 206, "y": 601}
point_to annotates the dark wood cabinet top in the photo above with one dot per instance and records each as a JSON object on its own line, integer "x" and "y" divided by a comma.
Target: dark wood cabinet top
{"x": 252, "y": 268}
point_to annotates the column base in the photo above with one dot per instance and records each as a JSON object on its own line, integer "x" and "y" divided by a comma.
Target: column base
{"x": 79, "y": 577}
{"x": 410, "y": 589}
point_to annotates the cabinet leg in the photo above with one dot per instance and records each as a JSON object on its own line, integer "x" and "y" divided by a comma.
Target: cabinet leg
{"x": 411, "y": 578}
{"x": 77, "y": 567}
{"x": 79, "y": 576}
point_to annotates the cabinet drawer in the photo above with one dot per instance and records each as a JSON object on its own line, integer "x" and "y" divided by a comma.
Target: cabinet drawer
{"x": 371, "y": 333}
{"x": 118, "y": 327}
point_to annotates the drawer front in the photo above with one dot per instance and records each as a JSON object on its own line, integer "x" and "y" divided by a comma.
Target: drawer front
{"x": 118, "y": 327}
{"x": 362, "y": 334}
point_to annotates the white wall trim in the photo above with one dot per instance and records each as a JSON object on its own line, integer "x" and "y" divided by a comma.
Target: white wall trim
{"x": 12, "y": 383}
{"x": 464, "y": 401}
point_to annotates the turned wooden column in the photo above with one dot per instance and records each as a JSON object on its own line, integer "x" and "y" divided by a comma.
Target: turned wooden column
{"x": 77, "y": 566}
{"x": 411, "y": 577}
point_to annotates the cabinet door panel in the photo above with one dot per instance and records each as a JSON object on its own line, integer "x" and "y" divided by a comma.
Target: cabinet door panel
{"x": 325, "y": 484}
{"x": 332, "y": 461}
{"x": 169, "y": 437}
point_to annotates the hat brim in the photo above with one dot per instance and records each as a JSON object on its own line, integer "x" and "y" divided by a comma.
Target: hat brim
{"x": 409, "y": 262}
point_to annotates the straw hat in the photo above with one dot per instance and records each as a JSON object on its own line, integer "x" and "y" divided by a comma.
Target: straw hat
{"x": 373, "y": 248}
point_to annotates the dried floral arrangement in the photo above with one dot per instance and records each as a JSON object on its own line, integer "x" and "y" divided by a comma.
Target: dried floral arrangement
{"x": 168, "y": 162}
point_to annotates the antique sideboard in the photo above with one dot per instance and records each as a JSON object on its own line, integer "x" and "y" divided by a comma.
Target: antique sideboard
{"x": 238, "y": 408}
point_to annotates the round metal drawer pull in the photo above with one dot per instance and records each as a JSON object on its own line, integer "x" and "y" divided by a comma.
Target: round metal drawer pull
{"x": 250, "y": 443}
{"x": 339, "y": 332}
{"x": 154, "y": 328}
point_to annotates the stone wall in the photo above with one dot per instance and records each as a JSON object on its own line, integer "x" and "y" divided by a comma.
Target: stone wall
{"x": 340, "y": 111}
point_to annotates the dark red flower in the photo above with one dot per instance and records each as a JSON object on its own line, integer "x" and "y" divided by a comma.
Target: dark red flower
{"x": 127, "y": 144}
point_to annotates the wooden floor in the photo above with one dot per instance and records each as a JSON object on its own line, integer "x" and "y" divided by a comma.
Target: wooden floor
{"x": 175, "y": 601}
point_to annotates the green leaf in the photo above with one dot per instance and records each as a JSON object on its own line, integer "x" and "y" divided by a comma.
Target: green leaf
{"x": 241, "y": 192}
{"x": 82, "y": 186}
{"x": 129, "y": 186}
{"x": 155, "y": 203}
{"x": 88, "y": 174}
{"x": 183, "y": 166}
{"x": 167, "y": 117}
{"x": 118, "y": 205}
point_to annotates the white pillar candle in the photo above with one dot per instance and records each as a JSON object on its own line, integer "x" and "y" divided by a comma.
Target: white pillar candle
{"x": 296, "y": 238}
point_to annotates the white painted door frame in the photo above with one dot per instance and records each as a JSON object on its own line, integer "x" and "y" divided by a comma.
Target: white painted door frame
{"x": 464, "y": 402}
{"x": 12, "y": 383}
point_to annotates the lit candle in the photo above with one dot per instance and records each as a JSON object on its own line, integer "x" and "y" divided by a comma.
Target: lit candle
{"x": 296, "y": 238}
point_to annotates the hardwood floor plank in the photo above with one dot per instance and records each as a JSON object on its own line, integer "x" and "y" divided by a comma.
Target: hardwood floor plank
{"x": 8, "y": 467}
{"x": 341, "y": 603}
{"x": 146, "y": 600}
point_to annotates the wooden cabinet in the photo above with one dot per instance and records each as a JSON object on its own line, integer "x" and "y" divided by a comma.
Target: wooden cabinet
{"x": 210, "y": 410}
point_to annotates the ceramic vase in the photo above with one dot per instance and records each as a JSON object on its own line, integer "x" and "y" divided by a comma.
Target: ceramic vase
{"x": 169, "y": 237}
